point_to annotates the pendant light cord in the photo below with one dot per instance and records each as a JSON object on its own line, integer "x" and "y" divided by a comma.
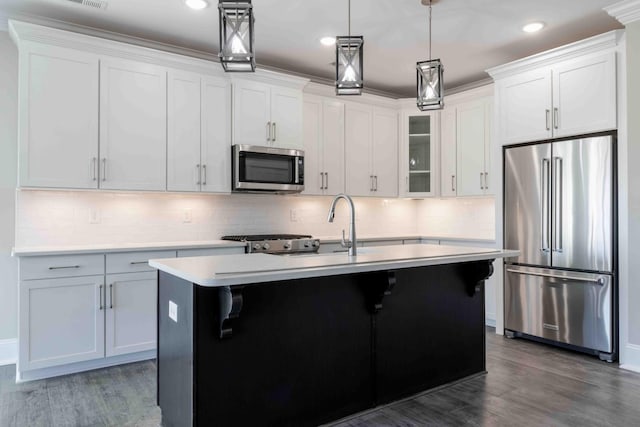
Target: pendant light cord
{"x": 349, "y": 15}
{"x": 429, "y": 30}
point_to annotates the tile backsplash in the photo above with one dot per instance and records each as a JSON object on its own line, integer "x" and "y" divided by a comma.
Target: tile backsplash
{"x": 59, "y": 218}
{"x": 62, "y": 218}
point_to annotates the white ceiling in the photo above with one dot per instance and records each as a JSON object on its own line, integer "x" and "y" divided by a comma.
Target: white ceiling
{"x": 468, "y": 35}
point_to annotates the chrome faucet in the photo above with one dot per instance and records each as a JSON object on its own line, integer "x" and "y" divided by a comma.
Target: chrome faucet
{"x": 352, "y": 243}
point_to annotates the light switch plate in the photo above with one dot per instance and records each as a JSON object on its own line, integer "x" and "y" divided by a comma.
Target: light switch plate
{"x": 173, "y": 311}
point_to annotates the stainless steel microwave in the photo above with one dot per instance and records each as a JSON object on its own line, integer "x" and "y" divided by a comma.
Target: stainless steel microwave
{"x": 267, "y": 169}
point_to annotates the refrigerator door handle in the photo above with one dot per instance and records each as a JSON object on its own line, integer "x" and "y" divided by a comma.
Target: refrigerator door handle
{"x": 545, "y": 205}
{"x": 599, "y": 280}
{"x": 557, "y": 204}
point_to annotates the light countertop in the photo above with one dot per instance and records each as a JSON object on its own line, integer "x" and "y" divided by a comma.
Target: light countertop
{"x": 226, "y": 270}
{"x": 199, "y": 244}
{"x": 123, "y": 247}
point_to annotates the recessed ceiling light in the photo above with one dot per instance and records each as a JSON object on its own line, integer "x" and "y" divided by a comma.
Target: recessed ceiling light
{"x": 328, "y": 41}
{"x": 533, "y": 27}
{"x": 196, "y": 4}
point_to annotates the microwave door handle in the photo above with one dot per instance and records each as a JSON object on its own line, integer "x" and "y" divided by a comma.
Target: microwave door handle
{"x": 296, "y": 170}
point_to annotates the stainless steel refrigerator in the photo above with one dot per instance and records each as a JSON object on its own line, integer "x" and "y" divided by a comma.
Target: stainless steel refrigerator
{"x": 560, "y": 212}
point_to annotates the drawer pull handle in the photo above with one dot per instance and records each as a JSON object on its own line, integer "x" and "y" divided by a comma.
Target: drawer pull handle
{"x": 139, "y": 262}
{"x": 64, "y": 267}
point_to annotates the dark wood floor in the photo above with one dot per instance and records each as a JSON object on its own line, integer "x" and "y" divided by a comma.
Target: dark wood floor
{"x": 528, "y": 384}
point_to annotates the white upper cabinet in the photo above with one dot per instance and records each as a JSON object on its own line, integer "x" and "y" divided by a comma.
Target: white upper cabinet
{"x": 418, "y": 153}
{"x": 58, "y": 120}
{"x": 584, "y": 95}
{"x": 323, "y": 137}
{"x": 448, "y": 146}
{"x": 216, "y": 135}
{"x": 358, "y": 142}
{"x": 266, "y": 115}
{"x": 564, "y": 92}
{"x": 198, "y": 144}
{"x": 526, "y": 107}
{"x": 251, "y": 113}
{"x": 466, "y": 147}
{"x": 286, "y": 117}
{"x": 384, "y": 152}
{"x": 133, "y": 125}
{"x": 473, "y": 145}
{"x": 184, "y": 131}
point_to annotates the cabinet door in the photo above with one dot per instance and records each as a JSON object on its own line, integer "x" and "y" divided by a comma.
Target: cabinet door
{"x": 183, "y": 126}
{"x": 216, "y": 135}
{"x": 417, "y": 163}
{"x": 286, "y": 117}
{"x": 61, "y": 321}
{"x": 358, "y": 125}
{"x": 448, "y": 152}
{"x": 385, "y": 153}
{"x": 333, "y": 146}
{"x": 312, "y": 139}
{"x": 251, "y": 113}
{"x": 131, "y": 301}
{"x": 133, "y": 135}
{"x": 58, "y": 118}
{"x": 470, "y": 148}
{"x": 525, "y": 107}
{"x": 584, "y": 95}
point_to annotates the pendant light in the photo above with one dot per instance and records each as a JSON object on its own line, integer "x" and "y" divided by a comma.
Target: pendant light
{"x": 349, "y": 62}
{"x": 236, "y": 35}
{"x": 429, "y": 78}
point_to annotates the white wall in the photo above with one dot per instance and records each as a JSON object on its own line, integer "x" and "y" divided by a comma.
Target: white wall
{"x": 631, "y": 350}
{"x": 8, "y": 174}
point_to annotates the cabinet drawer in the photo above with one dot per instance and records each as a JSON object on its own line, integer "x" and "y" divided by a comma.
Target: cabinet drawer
{"x": 210, "y": 251}
{"x": 61, "y": 266}
{"x": 131, "y": 262}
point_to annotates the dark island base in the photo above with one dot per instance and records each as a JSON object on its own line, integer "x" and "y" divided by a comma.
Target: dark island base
{"x": 309, "y": 351}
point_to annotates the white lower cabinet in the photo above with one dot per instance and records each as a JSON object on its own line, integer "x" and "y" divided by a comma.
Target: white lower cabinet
{"x": 61, "y": 321}
{"x": 130, "y": 308}
{"x": 80, "y": 312}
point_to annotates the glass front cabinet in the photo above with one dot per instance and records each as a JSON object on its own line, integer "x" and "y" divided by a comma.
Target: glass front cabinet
{"x": 418, "y": 159}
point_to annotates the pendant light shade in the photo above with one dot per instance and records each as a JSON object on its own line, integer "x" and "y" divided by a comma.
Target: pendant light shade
{"x": 236, "y": 36}
{"x": 429, "y": 84}
{"x": 349, "y": 65}
{"x": 349, "y": 80}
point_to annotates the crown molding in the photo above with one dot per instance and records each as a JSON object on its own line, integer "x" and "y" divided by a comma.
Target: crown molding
{"x": 328, "y": 90}
{"x": 626, "y": 11}
{"x": 587, "y": 46}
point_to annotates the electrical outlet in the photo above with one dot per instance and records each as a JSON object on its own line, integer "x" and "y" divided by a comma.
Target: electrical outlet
{"x": 94, "y": 216}
{"x": 187, "y": 216}
{"x": 173, "y": 311}
{"x": 293, "y": 215}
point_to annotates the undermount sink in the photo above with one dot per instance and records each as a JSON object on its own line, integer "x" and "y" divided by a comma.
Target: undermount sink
{"x": 361, "y": 251}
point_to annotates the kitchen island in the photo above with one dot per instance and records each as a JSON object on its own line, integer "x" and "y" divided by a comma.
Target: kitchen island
{"x": 270, "y": 340}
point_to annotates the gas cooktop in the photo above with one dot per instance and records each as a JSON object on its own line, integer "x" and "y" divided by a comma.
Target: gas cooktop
{"x": 277, "y": 243}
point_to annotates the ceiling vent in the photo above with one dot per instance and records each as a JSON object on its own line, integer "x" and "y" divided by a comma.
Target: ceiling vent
{"x": 98, "y": 4}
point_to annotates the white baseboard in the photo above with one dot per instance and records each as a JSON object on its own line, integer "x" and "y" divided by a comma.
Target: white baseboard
{"x": 8, "y": 352}
{"x": 631, "y": 358}
{"x": 72, "y": 368}
{"x": 490, "y": 321}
